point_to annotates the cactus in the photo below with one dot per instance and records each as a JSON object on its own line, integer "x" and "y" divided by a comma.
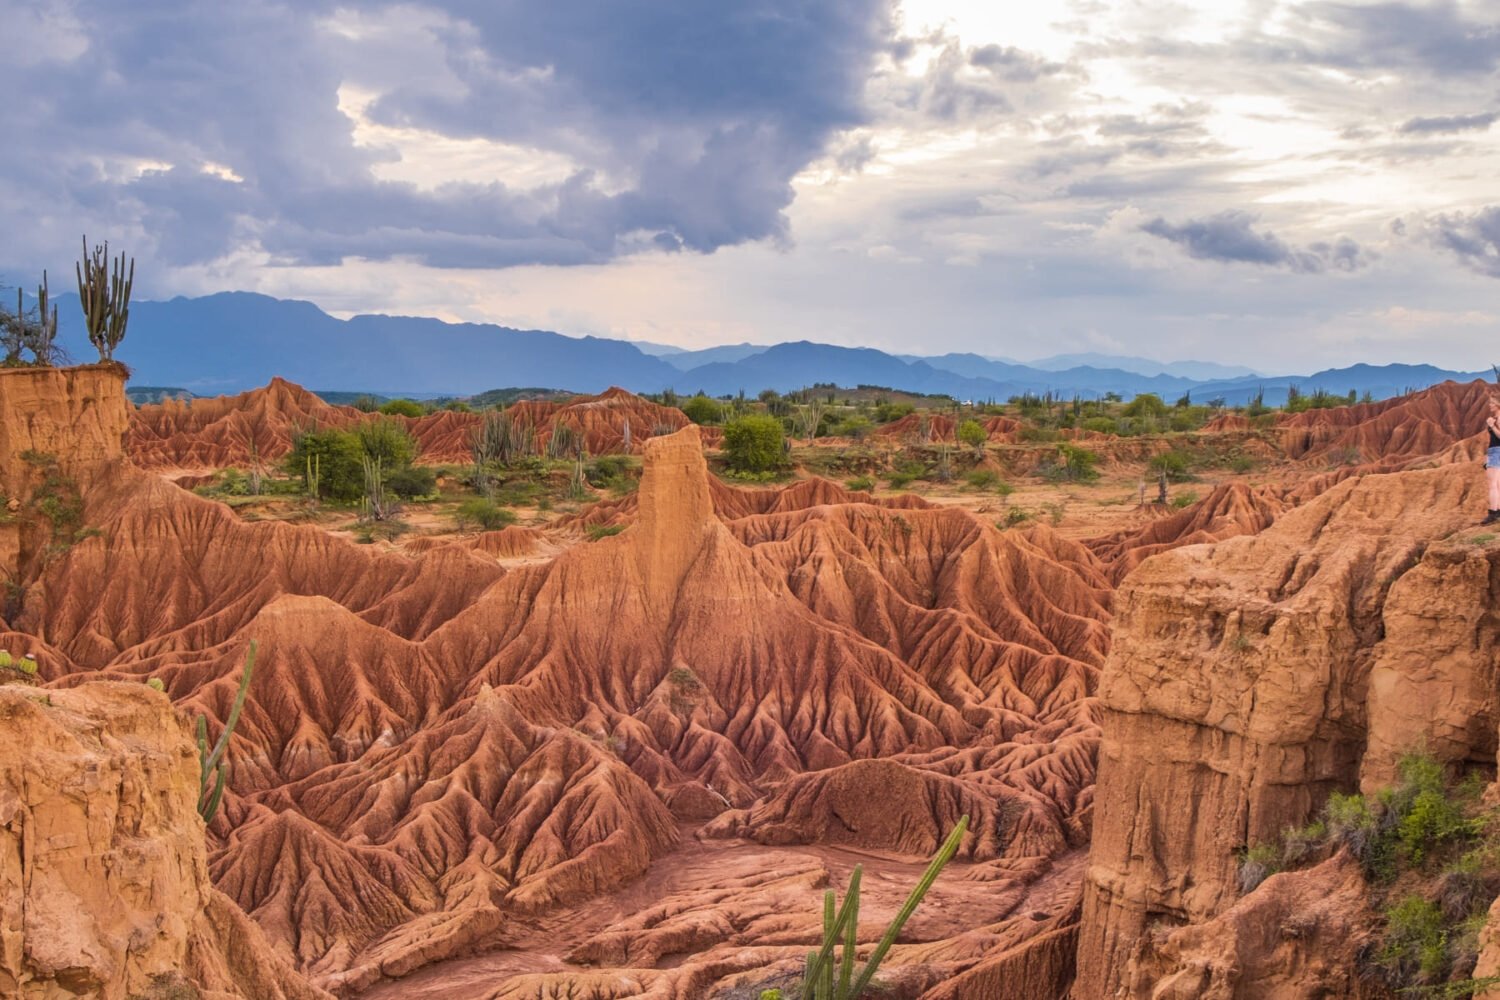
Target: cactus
{"x": 155, "y": 684}
{"x": 818, "y": 982}
{"x": 104, "y": 292}
{"x": 214, "y": 767}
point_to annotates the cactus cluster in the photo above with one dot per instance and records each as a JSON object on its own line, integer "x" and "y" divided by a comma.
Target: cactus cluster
{"x": 841, "y": 925}
{"x": 25, "y": 664}
{"x": 214, "y": 766}
{"x": 104, "y": 291}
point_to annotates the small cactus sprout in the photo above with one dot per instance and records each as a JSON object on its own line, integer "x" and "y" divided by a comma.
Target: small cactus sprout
{"x": 28, "y": 666}
{"x": 155, "y": 684}
{"x": 5, "y": 658}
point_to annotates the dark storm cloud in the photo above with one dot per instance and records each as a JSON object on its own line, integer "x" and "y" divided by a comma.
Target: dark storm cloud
{"x": 1231, "y": 237}
{"x": 1474, "y": 237}
{"x": 1451, "y": 123}
{"x": 687, "y": 123}
{"x": 1438, "y": 37}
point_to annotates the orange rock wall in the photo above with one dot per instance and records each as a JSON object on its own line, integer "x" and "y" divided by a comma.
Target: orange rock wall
{"x": 104, "y": 888}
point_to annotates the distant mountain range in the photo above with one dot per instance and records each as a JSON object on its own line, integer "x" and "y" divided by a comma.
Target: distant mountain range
{"x": 234, "y": 341}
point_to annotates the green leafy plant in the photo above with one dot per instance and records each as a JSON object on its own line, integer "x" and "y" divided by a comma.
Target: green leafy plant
{"x": 483, "y": 514}
{"x": 861, "y": 483}
{"x": 1258, "y": 862}
{"x": 598, "y": 531}
{"x": 755, "y": 443}
{"x": 213, "y": 764}
{"x": 841, "y": 926}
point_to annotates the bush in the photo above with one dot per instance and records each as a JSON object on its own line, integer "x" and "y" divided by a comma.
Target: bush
{"x": 403, "y": 408}
{"x": 1147, "y": 404}
{"x": 412, "y": 482}
{"x": 1014, "y": 517}
{"x": 973, "y": 434}
{"x": 483, "y": 514}
{"x": 598, "y": 531}
{"x": 886, "y": 413}
{"x": 855, "y": 428}
{"x": 1415, "y": 948}
{"x": 754, "y": 443}
{"x": 1073, "y": 464}
{"x": 861, "y": 484}
{"x": 331, "y": 460}
{"x": 386, "y": 442}
{"x": 1184, "y": 500}
{"x": 1101, "y": 425}
{"x": 702, "y": 410}
{"x": 1258, "y": 863}
{"x": 1173, "y": 463}
{"x": 1351, "y": 823}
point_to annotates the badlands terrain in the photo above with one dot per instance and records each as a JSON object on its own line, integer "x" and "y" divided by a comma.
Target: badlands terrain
{"x": 616, "y": 750}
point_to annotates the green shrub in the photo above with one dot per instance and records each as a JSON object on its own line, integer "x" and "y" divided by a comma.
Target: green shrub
{"x": 1415, "y": 946}
{"x": 1258, "y": 863}
{"x": 702, "y": 410}
{"x": 1185, "y": 499}
{"x": 1015, "y": 516}
{"x": 412, "y": 482}
{"x": 598, "y": 531}
{"x": 403, "y": 408}
{"x": 861, "y": 484}
{"x": 1173, "y": 463}
{"x": 1073, "y": 464}
{"x": 1101, "y": 425}
{"x": 387, "y": 442}
{"x": 1299, "y": 844}
{"x": 856, "y": 428}
{"x": 981, "y": 479}
{"x": 1147, "y": 404}
{"x": 483, "y": 514}
{"x": 973, "y": 434}
{"x": 755, "y": 443}
{"x": 329, "y": 464}
{"x": 886, "y": 413}
{"x": 1351, "y": 823}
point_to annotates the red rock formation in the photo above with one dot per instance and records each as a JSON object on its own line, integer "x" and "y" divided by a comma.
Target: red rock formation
{"x": 1238, "y": 694}
{"x": 1230, "y": 510}
{"x": 228, "y": 430}
{"x": 436, "y": 747}
{"x": 942, "y": 427}
{"x": 225, "y": 431}
{"x": 103, "y": 887}
{"x": 1404, "y": 427}
{"x": 1300, "y": 934}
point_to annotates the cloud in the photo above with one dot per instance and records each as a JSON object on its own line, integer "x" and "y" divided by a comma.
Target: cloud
{"x": 1473, "y": 237}
{"x": 1450, "y": 123}
{"x": 1231, "y": 237}
{"x": 197, "y": 128}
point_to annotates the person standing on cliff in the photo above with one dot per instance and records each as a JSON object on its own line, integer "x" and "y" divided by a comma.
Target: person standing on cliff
{"x": 1492, "y": 462}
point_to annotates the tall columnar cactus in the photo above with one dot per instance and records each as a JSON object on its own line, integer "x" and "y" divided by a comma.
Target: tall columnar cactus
{"x": 842, "y": 926}
{"x": 214, "y": 766}
{"x": 44, "y": 333}
{"x": 104, "y": 291}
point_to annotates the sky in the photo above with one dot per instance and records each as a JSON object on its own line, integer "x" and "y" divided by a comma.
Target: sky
{"x": 1284, "y": 185}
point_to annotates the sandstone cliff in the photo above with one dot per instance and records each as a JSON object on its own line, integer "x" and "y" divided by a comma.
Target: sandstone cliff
{"x": 1246, "y": 680}
{"x": 104, "y": 887}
